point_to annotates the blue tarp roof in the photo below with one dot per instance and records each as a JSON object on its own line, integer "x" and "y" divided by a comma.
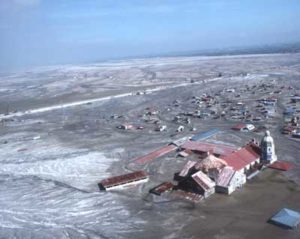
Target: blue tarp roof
{"x": 204, "y": 135}
{"x": 287, "y": 218}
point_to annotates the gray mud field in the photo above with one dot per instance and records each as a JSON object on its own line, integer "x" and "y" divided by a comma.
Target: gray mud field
{"x": 53, "y": 153}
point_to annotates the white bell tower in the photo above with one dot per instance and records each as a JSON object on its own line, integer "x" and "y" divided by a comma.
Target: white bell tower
{"x": 267, "y": 146}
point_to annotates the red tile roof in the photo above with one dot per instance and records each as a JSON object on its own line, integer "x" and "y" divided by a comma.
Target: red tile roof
{"x": 243, "y": 157}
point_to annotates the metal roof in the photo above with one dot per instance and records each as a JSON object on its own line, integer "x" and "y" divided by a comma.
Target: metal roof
{"x": 287, "y": 218}
{"x": 243, "y": 157}
{"x": 239, "y": 126}
{"x": 225, "y": 177}
{"x": 204, "y": 135}
{"x": 155, "y": 154}
{"x": 186, "y": 168}
{"x": 123, "y": 179}
{"x": 282, "y": 165}
{"x": 206, "y": 147}
{"x": 161, "y": 188}
{"x": 203, "y": 180}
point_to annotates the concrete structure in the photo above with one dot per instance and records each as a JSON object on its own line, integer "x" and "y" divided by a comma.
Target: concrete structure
{"x": 267, "y": 146}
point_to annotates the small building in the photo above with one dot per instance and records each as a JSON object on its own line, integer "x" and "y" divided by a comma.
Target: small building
{"x": 204, "y": 185}
{"x": 161, "y": 128}
{"x": 295, "y": 99}
{"x": 186, "y": 171}
{"x": 288, "y": 130}
{"x": 190, "y": 180}
{"x": 289, "y": 111}
{"x": 296, "y": 134}
{"x": 231, "y": 90}
{"x": 243, "y": 127}
{"x": 119, "y": 182}
{"x": 125, "y": 126}
{"x": 180, "y": 128}
{"x": 286, "y": 218}
{"x": 229, "y": 180}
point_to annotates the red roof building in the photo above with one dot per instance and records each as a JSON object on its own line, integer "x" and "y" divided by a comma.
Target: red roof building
{"x": 123, "y": 180}
{"x": 243, "y": 158}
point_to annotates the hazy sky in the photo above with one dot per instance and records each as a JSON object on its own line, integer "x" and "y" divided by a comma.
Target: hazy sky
{"x": 41, "y": 32}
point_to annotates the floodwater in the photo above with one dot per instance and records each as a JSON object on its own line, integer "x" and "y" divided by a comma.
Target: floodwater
{"x": 51, "y": 192}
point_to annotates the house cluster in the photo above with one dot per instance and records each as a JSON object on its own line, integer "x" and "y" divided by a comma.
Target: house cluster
{"x": 291, "y": 116}
{"x": 233, "y": 104}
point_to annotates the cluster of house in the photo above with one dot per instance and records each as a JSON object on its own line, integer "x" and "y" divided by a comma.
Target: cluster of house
{"x": 291, "y": 117}
{"x": 230, "y": 104}
{"x": 217, "y": 168}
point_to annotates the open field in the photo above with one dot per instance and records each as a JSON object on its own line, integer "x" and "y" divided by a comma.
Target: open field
{"x": 59, "y": 138}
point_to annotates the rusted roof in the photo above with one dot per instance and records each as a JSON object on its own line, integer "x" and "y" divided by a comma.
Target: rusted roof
{"x": 203, "y": 180}
{"x": 186, "y": 168}
{"x": 243, "y": 157}
{"x": 123, "y": 179}
{"x": 282, "y": 165}
{"x": 158, "y": 190}
{"x": 239, "y": 126}
{"x": 206, "y": 147}
{"x": 155, "y": 154}
{"x": 225, "y": 177}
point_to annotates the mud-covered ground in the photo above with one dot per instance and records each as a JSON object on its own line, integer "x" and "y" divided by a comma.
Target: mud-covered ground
{"x": 52, "y": 159}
